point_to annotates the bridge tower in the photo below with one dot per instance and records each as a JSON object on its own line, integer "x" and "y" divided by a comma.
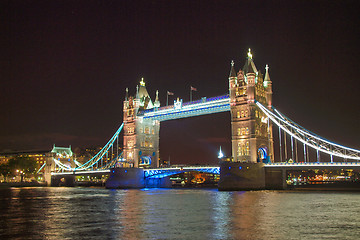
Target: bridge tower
{"x": 251, "y": 131}
{"x": 141, "y": 136}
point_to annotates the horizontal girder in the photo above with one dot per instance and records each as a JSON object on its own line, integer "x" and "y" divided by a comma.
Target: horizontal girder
{"x": 192, "y": 109}
{"x": 165, "y": 172}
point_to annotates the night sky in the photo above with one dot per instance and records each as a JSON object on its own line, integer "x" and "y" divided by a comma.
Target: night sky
{"x": 64, "y": 67}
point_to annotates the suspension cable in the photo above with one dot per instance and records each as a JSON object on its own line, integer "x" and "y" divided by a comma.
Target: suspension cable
{"x": 306, "y": 137}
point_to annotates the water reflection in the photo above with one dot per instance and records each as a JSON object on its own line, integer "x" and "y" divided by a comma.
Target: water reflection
{"x": 221, "y": 215}
{"x": 86, "y": 213}
{"x": 129, "y": 214}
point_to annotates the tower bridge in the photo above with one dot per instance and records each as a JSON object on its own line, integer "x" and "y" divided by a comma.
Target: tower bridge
{"x": 252, "y": 163}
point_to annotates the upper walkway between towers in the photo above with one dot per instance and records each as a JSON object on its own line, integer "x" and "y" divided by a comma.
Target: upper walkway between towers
{"x": 189, "y": 109}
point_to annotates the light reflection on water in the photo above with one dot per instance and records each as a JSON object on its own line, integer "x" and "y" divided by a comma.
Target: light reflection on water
{"x": 95, "y": 213}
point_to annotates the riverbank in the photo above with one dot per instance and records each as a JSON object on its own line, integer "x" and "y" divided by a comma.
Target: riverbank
{"x": 21, "y": 184}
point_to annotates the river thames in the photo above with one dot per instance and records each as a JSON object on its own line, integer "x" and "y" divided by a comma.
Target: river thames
{"x": 96, "y": 213}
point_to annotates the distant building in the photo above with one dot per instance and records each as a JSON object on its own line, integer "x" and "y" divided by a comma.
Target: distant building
{"x": 62, "y": 154}
{"x": 38, "y": 155}
{"x": 64, "y": 157}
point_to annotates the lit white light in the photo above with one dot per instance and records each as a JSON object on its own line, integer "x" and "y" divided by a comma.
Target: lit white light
{"x": 221, "y": 155}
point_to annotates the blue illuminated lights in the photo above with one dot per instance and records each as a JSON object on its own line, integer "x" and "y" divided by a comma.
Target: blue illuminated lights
{"x": 165, "y": 172}
{"x": 240, "y": 167}
{"x": 196, "y": 108}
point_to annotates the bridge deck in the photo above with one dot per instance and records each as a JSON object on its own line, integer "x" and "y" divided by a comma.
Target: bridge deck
{"x": 163, "y": 172}
{"x": 314, "y": 165}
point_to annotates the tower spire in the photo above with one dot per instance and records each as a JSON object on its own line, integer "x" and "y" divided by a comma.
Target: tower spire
{"x": 267, "y": 77}
{"x": 249, "y": 54}
{"x": 137, "y": 91}
{"x": 142, "y": 83}
{"x": 157, "y": 102}
{"x": 232, "y": 70}
{"x": 126, "y": 94}
{"x": 249, "y": 66}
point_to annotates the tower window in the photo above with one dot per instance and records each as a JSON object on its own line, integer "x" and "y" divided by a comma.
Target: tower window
{"x": 238, "y": 114}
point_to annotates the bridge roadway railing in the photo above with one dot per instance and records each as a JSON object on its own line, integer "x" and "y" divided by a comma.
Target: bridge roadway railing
{"x": 189, "y": 109}
{"x": 149, "y": 173}
{"x": 314, "y": 165}
{"x": 82, "y": 172}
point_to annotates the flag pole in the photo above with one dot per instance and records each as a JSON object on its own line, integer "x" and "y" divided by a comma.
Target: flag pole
{"x": 167, "y": 98}
{"x": 190, "y": 94}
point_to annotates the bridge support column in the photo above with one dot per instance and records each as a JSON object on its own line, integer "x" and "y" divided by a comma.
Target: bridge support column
{"x": 47, "y": 175}
{"x": 48, "y": 167}
{"x": 126, "y": 178}
{"x": 241, "y": 176}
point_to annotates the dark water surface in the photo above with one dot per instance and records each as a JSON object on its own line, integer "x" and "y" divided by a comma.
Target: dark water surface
{"x": 95, "y": 213}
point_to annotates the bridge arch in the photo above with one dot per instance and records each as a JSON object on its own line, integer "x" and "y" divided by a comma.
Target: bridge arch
{"x": 262, "y": 154}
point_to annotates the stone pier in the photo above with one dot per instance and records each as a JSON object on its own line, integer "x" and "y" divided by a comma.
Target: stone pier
{"x": 250, "y": 176}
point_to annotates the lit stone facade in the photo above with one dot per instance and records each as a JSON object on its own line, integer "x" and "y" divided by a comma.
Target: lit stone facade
{"x": 252, "y": 137}
{"x": 141, "y": 136}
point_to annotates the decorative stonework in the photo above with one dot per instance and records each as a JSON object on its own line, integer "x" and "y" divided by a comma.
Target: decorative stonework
{"x": 252, "y": 138}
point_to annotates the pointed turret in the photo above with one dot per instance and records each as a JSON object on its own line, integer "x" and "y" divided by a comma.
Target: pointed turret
{"x": 232, "y": 81}
{"x": 249, "y": 66}
{"x": 250, "y": 73}
{"x": 268, "y": 87}
{"x": 145, "y": 100}
{"x": 267, "y": 77}
{"x": 157, "y": 102}
{"x": 126, "y": 94}
{"x": 137, "y": 92}
{"x": 232, "y": 70}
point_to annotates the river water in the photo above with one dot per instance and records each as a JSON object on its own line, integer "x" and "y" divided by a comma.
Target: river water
{"x": 96, "y": 213}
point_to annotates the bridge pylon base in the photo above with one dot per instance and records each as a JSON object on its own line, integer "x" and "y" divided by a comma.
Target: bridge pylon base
{"x": 63, "y": 181}
{"x": 126, "y": 178}
{"x": 241, "y": 176}
{"x": 158, "y": 182}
